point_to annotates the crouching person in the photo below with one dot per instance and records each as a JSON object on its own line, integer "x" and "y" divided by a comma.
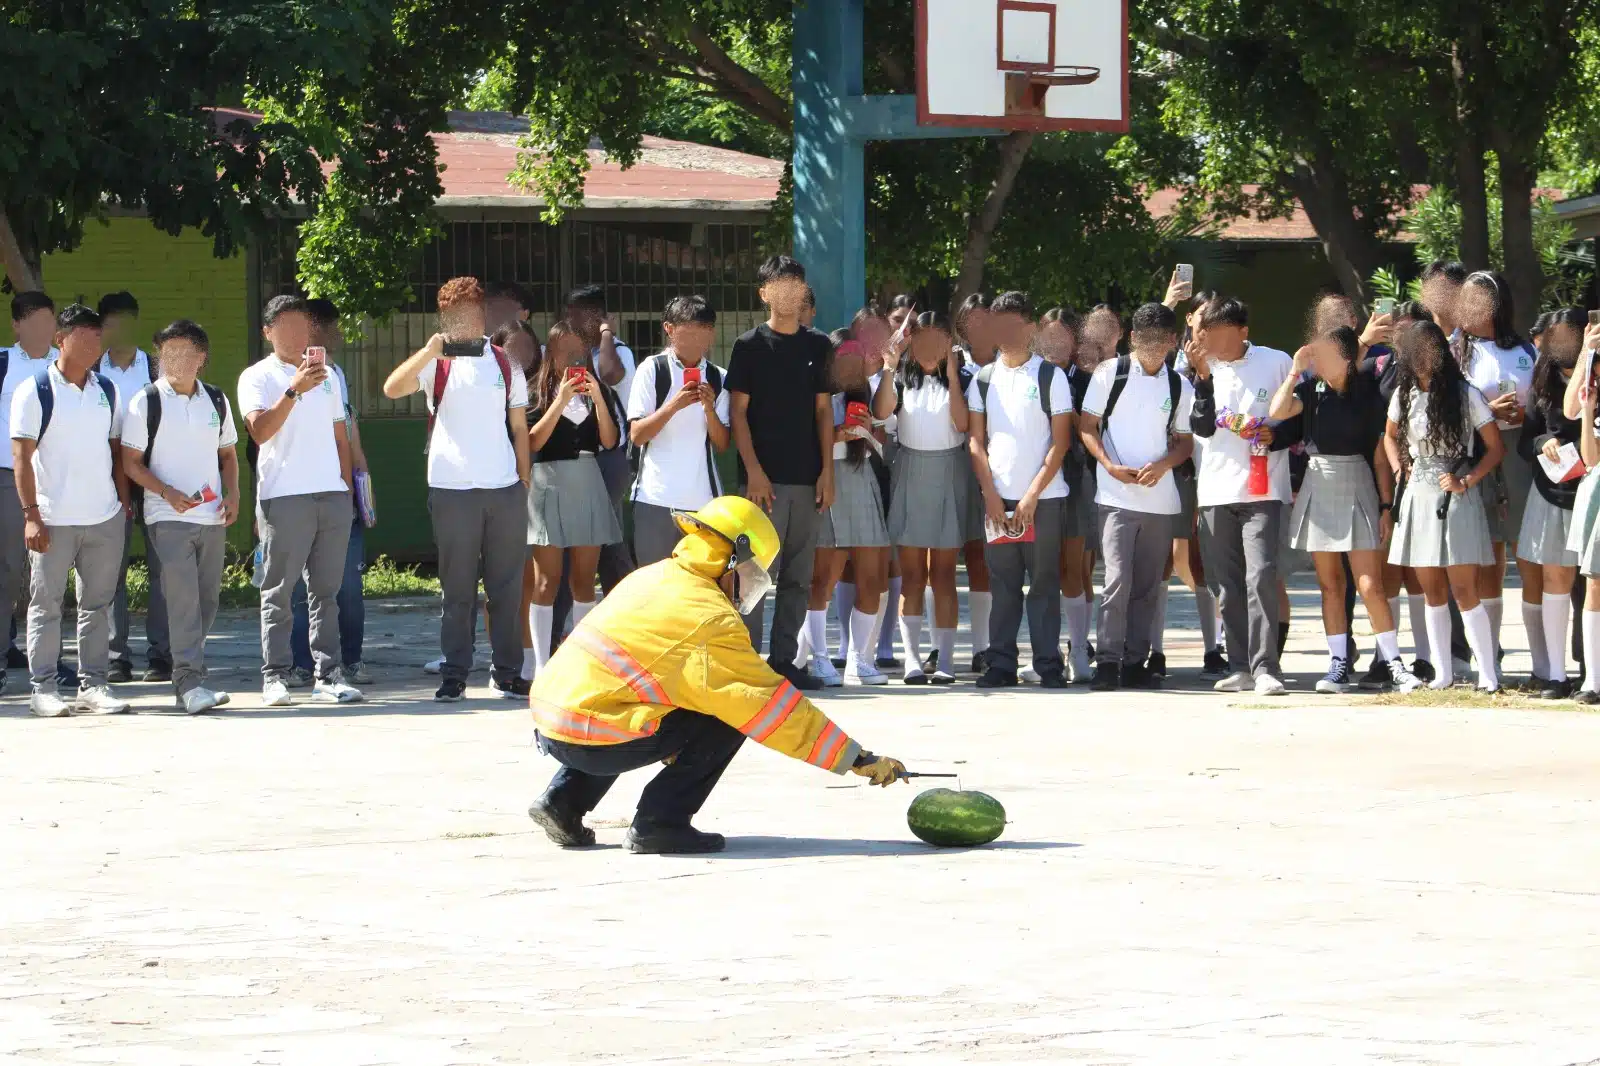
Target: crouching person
{"x": 64, "y": 438}
{"x": 190, "y": 485}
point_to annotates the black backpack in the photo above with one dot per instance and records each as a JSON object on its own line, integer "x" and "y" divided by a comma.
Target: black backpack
{"x": 1120, "y": 382}
{"x": 1047, "y": 374}
{"x": 661, "y": 367}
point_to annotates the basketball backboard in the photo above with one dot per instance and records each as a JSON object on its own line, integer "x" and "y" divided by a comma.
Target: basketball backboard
{"x": 1023, "y": 64}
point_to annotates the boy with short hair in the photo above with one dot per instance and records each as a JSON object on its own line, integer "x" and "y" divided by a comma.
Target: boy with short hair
{"x": 1136, "y": 426}
{"x": 1020, "y": 427}
{"x": 65, "y": 426}
{"x": 678, "y": 418}
{"x": 178, "y": 442}
{"x": 782, "y": 408}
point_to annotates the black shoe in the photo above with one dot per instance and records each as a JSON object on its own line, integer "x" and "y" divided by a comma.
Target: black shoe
{"x": 158, "y": 671}
{"x": 1587, "y": 698}
{"x": 980, "y": 662}
{"x": 67, "y": 675}
{"x": 838, "y": 664}
{"x": 1157, "y": 666}
{"x": 450, "y": 692}
{"x": 800, "y": 679}
{"x": 120, "y": 672}
{"x": 1053, "y": 679}
{"x": 1107, "y": 677}
{"x": 16, "y": 659}
{"x": 515, "y": 689}
{"x": 1216, "y": 664}
{"x": 673, "y": 840}
{"x": 1135, "y": 675}
{"x": 1376, "y": 679}
{"x": 994, "y": 677}
{"x": 888, "y": 662}
{"x": 565, "y": 829}
{"x": 1556, "y": 690}
{"x": 1422, "y": 670}
{"x": 931, "y": 663}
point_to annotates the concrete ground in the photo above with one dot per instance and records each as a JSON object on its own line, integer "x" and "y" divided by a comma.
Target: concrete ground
{"x": 1185, "y": 878}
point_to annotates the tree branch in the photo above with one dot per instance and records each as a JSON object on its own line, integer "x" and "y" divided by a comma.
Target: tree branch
{"x": 763, "y": 101}
{"x": 22, "y": 274}
{"x": 980, "y": 229}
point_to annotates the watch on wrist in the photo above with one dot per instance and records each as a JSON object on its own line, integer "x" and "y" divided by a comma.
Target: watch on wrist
{"x": 1385, "y": 505}
{"x": 289, "y": 392}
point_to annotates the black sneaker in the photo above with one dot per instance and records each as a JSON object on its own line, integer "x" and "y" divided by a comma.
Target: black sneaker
{"x": 67, "y": 675}
{"x": 1107, "y": 677}
{"x": 560, "y": 826}
{"x": 1157, "y": 665}
{"x": 1337, "y": 679}
{"x": 1587, "y": 698}
{"x": 1216, "y": 664}
{"x": 672, "y": 840}
{"x": 838, "y": 664}
{"x": 1422, "y": 670}
{"x": 1556, "y": 690}
{"x": 1139, "y": 675}
{"x": 888, "y": 662}
{"x": 16, "y": 659}
{"x": 1376, "y": 679}
{"x": 994, "y": 677}
{"x": 515, "y": 689}
{"x": 158, "y": 671}
{"x": 450, "y": 692}
{"x": 980, "y": 662}
{"x": 1053, "y": 679}
{"x": 800, "y": 679}
{"x": 120, "y": 672}
{"x": 931, "y": 663}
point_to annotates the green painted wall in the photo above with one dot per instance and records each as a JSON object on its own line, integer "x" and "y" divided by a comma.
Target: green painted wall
{"x": 172, "y": 277}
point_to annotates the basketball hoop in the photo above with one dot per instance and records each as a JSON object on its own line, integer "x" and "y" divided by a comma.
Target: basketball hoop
{"x": 1026, "y": 89}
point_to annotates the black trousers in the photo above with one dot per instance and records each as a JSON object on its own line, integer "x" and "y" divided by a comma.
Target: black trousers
{"x": 703, "y": 746}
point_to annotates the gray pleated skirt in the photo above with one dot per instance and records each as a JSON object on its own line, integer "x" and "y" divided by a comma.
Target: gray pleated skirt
{"x": 929, "y": 498}
{"x": 1083, "y": 517}
{"x": 569, "y": 507}
{"x": 856, "y": 518}
{"x": 1422, "y": 538}
{"x": 1543, "y": 536}
{"x": 973, "y": 521}
{"x": 1188, "y": 505}
{"x": 1337, "y": 508}
{"x": 1581, "y": 539}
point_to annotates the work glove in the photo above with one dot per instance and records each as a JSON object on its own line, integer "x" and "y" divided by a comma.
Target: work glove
{"x": 879, "y": 769}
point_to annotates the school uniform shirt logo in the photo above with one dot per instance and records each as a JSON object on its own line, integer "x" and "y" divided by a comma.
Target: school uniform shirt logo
{"x": 103, "y": 401}
{"x": 215, "y": 421}
{"x": 1522, "y": 361}
{"x": 1033, "y": 392}
{"x": 1261, "y": 395}
{"x": 1166, "y": 404}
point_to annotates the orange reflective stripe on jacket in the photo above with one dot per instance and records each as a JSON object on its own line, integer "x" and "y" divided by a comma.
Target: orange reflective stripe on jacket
{"x": 826, "y": 750}
{"x": 619, "y": 662}
{"x": 772, "y": 714}
{"x": 558, "y": 723}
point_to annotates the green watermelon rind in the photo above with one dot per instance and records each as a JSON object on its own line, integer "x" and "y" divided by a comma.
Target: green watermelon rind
{"x": 946, "y": 818}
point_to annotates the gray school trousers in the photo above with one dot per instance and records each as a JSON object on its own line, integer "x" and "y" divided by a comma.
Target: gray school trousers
{"x": 1037, "y": 564}
{"x": 305, "y": 535}
{"x": 13, "y": 558}
{"x": 655, "y": 534}
{"x": 191, "y": 557}
{"x": 94, "y": 552}
{"x": 481, "y": 532}
{"x": 1239, "y": 544}
{"x": 794, "y": 514}
{"x": 1135, "y": 546}
{"x": 155, "y": 617}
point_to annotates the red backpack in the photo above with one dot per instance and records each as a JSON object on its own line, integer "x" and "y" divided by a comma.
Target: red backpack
{"x": 441, "y": 376}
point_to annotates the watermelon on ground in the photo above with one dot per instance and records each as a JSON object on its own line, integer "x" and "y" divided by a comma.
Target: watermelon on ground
{"x": 946, "y": 818}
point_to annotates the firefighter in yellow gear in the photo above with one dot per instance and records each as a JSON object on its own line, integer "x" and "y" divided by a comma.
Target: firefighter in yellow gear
{"x": 663, "y": 671}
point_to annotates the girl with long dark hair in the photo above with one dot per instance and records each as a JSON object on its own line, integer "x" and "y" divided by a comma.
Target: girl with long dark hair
{"x": 1547, "y": 519}
{"x": 1434, "y": 416}
{"x": 1342, "y": 512}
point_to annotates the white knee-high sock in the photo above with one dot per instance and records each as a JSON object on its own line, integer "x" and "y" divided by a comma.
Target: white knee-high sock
{"x": 1075, "y": 609}
{"x": 1480, "y": 638}
{"x": 945, "y": 641}
{"x": 543, "y": 619}
{"x": 911, "y": 637}
{"x": 1206, "y": 605}
{"x": 891, "y": 619}
{"x": 844, "y": 601}
{"x": 1557, "y": 609}
{"x": 864, "y": 635}
{"x": 527, "y": 653}
{"x": 580, "y": 611}
{"x": 1438, "y": 629}
{"x": 1591, "y": 651}
{"x": 817, "y": 634}
{"x": 1418, "y": 605}
{"x": 1495, "y": 608}
{"x": 1158, "y": 621}
{"x": 1533, "y": 619}
{"x": 1388, "y": 645}
{"x": 980, "y": 604}
{"x": 1394, "y": 613}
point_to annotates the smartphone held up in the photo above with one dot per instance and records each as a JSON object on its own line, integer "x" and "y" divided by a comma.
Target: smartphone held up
{"x": 316, "y": 355}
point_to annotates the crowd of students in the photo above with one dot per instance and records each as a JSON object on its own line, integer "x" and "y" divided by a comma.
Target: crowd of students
{"x": 1413, "y": 451}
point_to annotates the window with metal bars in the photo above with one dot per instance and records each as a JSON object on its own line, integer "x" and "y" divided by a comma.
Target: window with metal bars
{"x": 641, "y": 263}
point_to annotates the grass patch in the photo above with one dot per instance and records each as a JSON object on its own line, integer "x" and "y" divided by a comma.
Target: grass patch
{"x": 383, "y": 579}
{"x": 469, "y": 836}
{"x": 1507, "y": 699}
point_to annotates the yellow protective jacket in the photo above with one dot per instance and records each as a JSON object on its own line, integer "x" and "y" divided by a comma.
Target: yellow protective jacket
{"x": 668, "y": 637}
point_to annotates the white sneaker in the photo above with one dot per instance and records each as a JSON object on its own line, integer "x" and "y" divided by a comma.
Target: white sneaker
{"x": 1028, "y": 675}
{"x": 100, "y": 701}
{"x": 860, "y": 673}
{"x": 824, "y": 671}
{"x": 197, "y": 701}
{"x": 433, "y": 666}
{"x": 1079, "y": 668}
{"x": 1238, "y": 681}
{"x": 1401, "y": 679}
{"x": 221, "y": 696}
{"x": 49, "y": 705}
{"x": 274, "y": 693}
{"x": 334, "y": 689}
{"x": 1267, "y": 685}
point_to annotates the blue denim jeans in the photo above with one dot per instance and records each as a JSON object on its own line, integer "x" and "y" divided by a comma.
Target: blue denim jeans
{"x": 352, "y": 609}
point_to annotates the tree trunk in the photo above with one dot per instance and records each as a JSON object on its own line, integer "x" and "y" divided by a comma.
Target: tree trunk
{"x": 1523, "y": 270}
{"x": 1354, "y": 253}
{"x": 1472, "y": 190}
{"x": 980, "y": 228}
{"x": 22, "y": 270}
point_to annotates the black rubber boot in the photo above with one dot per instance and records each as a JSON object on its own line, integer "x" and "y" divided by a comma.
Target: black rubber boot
{"x": 561, "y": 827}
{"x": 672, "y": 840}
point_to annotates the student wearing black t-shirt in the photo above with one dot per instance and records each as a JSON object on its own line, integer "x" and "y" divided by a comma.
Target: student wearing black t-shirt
{"x": 783, "y": 428}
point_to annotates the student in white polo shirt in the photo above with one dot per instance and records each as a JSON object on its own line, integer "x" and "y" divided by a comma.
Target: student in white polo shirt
{"x": 294, "y": 412}
{"x": 1242, "y": 486}
{"x": 477, "y": 484}
{"x": 1136, "y": 426}
{"x": 130, "y": 368}
{"x": 33, "y": 323}
{"x": 679, "y": 425}
{"x": 178, "y": 442}
{"x": 65, "y": 423}
{"x": 1020, "y": 425}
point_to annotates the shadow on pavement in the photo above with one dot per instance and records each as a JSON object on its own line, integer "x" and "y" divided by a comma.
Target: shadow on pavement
{"x": 810, "y": 847}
